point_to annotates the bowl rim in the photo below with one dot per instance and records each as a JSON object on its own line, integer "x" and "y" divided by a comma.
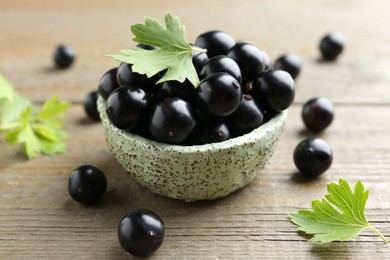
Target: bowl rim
{"x": 251, "y": 137}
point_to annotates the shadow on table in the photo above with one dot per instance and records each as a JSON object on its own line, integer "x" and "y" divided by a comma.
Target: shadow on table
{"x": 327, "y": 250}
{"x": 298, "y": 177}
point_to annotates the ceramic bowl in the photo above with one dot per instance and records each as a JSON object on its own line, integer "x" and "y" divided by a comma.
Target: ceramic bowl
{"x": 199, "y": 172}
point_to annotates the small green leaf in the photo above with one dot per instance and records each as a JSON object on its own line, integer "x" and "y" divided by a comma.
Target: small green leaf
{"x": 37, "y": 131}
{"x": 11, "y": 105}
{"x": 40, "y": 132}
{"x": 173, "y": 56}
{"x": 338, "y": 217}
{"x": 52, "y": 111}
{"x": 7, "y": 91}
{"x": 25, "y": 135}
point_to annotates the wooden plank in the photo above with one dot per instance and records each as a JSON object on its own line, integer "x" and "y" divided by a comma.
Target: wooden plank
{"x": 360, "y": 153}
{"x": 202, "y": 231}
{"x": 38, "y": 216}
{"x": 360, "y": 76}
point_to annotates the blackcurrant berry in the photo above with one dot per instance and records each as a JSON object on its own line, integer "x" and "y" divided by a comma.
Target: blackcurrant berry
{"x": 146, "y": 46}
{"x": 87, "y": 184}
{"x": 198, "y": 59}
{"x": 127, "y": 106}
{"x": 172, "y": 121}
{"x": 221, "y": 63}
{"x": 218, "y": 95}
{"x": 184, "y": 90}
{"x": 313, "y": 156}
{"x": 289, "y": 62}
{"x": 216, "y": 42}
{"x": 213, "y": 132}
{"x": 246, "y": 117}
{"x": 317, "y": 114}
{"x": 250, "y": 59}
{"x": 274, "y": 90}
{"x": 331, "y": 45}
{"x": 267, "y": 61}
{"x": 108, "y": 83}
{"x": 126, "y": 77}
{"x": 141, "y": 232}
{"x": 64, "y": 56}
{"x": 90, "y": 105}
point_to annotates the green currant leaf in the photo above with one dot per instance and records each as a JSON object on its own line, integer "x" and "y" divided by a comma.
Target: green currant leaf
{"x": 338, "y": 217}
{"x": 40, "y": 132}
{"x": 173, "y": 55}
{"x": 52, "y": 111}
{"x": 37, "y": 131}
{"x": 11, "y": 105}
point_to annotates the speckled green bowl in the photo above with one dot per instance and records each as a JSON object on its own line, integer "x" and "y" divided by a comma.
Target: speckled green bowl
{"x": 199, "y": 172}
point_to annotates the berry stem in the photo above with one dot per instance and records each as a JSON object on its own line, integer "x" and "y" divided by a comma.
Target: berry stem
{"x": 378, "y": 233}
{"x": 196, "y": 49}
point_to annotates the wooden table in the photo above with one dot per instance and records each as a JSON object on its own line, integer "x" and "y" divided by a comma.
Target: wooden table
{"x": 38, "y": 219}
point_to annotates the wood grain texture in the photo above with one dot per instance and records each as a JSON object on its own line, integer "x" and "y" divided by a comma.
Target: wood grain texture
{"x": 38, "y": 219}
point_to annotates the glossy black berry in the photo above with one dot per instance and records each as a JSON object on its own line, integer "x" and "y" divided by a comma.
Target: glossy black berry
{"x": 246, "y": 117}
{"x": 146, "y": 46}
{"x": 221, "y": 63}
{"x": 126, "y": 77}
{"x": 141, "y": 232}
{"x": 331, "y": 45}
{"x": 184, "y": 90}
{"x": 213, "y": 132}
{"x": 127, "y": 106}
{"x": 64, "y": 56}
{"x": 267, "y": 61}
{"x": 108, "y": 83}
{"x": 274, "y": 90}
{"x": 218, "y": 95}
{"x": 313, "y": 156}
{"x": 198, "y": 59}
{"x": 216, "y": 42}
{"x": 318, "y": 114}
{"x": 250, "y": 59}
{"x": 90, "y": 106}
{"x": 172, "y": 121}
{"x": 289, "y": 62}
{"x": 87, "y": 184}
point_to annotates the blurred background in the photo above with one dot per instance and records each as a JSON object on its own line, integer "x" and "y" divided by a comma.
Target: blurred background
{"x": 30, "y": 30}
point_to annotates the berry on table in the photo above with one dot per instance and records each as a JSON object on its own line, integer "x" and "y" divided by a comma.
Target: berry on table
{"x": 64, "y": 56}
{"x": 141, "y": 232}
{"x": 313, "y": 156}
{"x": 317, "y": 114}
{"x": 87, "y": 184}
{"x": 331, "y": 45}
{"x": 90, "y": 105}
